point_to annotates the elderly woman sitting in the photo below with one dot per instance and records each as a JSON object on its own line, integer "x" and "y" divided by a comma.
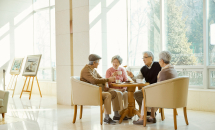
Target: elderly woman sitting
{"x": 120, "y": 75}
{"x": 167, "y": 72}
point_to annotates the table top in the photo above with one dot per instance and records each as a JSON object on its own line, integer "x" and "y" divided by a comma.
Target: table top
{"x": 129, "y": 84}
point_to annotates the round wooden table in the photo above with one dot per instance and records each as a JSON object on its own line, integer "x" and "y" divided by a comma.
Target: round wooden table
{"x": 130, "y": 111}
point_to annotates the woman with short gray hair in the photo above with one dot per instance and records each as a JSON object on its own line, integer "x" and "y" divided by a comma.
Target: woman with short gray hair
{"x": 165, "y": 56}
{"x": 167, "y": 71}
{"x": 121, "y": 76}
{"x": 118, "y": 58}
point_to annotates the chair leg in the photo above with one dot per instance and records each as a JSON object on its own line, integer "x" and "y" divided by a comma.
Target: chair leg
{"x": 2, "y": 115}
{"x": 185, "y": 115}
{"x": 145, "y": 115}
{"x": 81, "y": 111}
{"x": 101, "y": 114}
{"x": 162, "y": 114}
{"x": 175, "y": 119}
{"x": 75, "y": 113}
{"x": 101, "y": 104}
{"x": 176, "y": 112}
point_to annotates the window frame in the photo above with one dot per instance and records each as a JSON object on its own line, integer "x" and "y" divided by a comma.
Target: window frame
{"x": 51, "y": 69}
{"x": 205, "y": 68}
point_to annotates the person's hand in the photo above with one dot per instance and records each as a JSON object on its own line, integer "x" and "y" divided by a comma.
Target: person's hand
{"x": 106, "y": 87}
{"x": 115, "y": 73}
{"x": 123, "y": 90}
{"x": 112, "y": 79}
{"x": 130, "y": 74}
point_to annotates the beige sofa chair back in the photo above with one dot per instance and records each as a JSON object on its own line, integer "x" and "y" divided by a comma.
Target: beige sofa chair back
{"x": 170, "y": 93}
{"x": 84, "y": 93}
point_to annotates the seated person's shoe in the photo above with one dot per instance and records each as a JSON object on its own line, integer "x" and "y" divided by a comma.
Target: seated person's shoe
{"x": 138, "y": 122}
{"x": 153, "y": 120}
{"x": 109, "y": 121}
{"x": 118, "y": 118}
{"x": 149, "y": 113}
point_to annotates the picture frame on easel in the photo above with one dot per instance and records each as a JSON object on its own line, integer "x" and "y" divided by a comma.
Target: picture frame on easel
{"x": 14, "y": 71}
{"x": 30, "y": 72}
{"x": 16, "y": 66}
{"x": 31, "y": 65}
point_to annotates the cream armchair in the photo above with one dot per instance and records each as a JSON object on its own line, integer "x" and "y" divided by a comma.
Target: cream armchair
{"x": 85, "y": 94}
{"x": 170, "y": 93}
{"x": 4, "y": 95}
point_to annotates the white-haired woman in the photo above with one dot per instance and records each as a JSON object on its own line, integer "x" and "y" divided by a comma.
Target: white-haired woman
{"x": 167, "y": 72}
{"x": 120, "y": 74}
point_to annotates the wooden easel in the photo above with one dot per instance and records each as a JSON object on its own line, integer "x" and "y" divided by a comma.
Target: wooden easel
{"x": 10, "y": 85}
{"x": 27, "y": 89}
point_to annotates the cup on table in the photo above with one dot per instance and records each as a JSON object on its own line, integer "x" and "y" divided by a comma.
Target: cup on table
{"x": 119, "y": 72}
{"x": 139, "y": 80}
{"x": 118, "y": 81}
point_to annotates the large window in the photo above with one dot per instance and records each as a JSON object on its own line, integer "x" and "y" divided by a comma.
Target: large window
{"x": 211, "y": 20}
{"x": 44, "y": 37}
{"x": 178, "y": 26}
{"x": 144, "y": 21}
{"x": 184, "y": 31}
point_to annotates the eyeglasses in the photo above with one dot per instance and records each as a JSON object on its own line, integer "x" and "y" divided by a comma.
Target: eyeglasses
{"x": 145, "y": 57}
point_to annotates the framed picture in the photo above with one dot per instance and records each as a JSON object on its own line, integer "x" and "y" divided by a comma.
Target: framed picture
{"x": 16, "y": 66}
{"x": 31, "y": 65}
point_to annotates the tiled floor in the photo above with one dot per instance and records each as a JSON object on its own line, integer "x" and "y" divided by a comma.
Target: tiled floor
{"x": 44, "y": 114}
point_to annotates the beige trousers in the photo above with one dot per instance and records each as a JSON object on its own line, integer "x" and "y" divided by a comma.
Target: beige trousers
{"x": 122, "y": 97}
{"x": 110, "y": 95}
{"x": 106, "y": 97}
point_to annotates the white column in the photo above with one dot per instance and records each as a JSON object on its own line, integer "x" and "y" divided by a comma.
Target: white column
{"x": 81, "y": 45}
{"x": 72, "y": 49}
{"x": 63, "y": 52}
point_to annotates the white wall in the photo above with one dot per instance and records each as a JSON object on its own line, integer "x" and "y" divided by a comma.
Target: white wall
{"x": 16, "y": 27}
{"x": 201, "y": 100}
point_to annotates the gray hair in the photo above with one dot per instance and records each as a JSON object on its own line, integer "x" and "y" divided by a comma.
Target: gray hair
{"x": 91, "y": 62}
{"x": 118, "y": 58}
{"x": 165, "y": 56}
{"x": 150, "y": 54}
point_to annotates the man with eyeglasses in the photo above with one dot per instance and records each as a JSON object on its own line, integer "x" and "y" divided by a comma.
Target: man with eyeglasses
{"x": 149, "y": 71}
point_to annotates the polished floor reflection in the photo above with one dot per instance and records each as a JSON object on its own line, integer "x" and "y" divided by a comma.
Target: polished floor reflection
{"x": 44, "y": 114}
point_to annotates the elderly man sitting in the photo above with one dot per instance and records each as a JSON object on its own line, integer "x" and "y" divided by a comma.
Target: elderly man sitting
{"x": 149, "y": 71}
{"x": 90, "y": 75}
{"x": 167, "y": 72}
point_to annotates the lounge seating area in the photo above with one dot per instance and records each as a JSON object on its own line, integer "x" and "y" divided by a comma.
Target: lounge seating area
{"x": 107, "y": 64}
